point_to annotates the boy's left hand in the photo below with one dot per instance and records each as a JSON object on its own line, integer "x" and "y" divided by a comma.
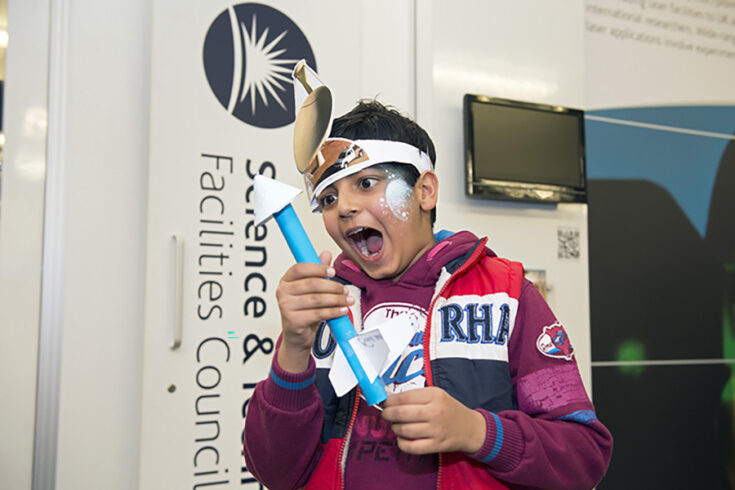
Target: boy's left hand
{"x": 428, "y": 420}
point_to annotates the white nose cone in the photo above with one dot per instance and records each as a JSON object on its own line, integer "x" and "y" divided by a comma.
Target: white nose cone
{"x": 271, "y": 196}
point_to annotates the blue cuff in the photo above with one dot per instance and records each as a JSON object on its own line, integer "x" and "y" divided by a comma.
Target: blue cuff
{"x": 290, "y": 385}
{"x": 498, "y": 439}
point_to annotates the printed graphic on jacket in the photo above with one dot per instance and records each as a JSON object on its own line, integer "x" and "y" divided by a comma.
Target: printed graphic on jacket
{"x": 474, "y": 326}
{"x": 554, "y": 342}
{"x": 407, "y": 371}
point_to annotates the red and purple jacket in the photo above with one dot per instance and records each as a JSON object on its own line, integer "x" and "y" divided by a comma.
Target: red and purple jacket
{"x": 483, "y": 345}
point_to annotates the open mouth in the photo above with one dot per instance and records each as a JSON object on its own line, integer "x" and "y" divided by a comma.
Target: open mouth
{"x": 367, "y": 241}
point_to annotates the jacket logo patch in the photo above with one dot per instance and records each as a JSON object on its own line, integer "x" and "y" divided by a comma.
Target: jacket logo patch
{"x": 554, "y": 342}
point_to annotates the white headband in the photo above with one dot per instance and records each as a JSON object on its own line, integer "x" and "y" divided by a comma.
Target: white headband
{"x": 376, "y": 151}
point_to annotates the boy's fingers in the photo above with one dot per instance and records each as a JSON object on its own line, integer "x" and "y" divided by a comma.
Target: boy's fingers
{"x": 307, "y": 269}
{"x": 402, "y": 414}
{"x": 315, "y": 316}
{"x": 411, "y": 397}
{"x": 325, "y": 257}
{"x": 314, "y": 285}
{"x": 417, "y": 430}
{"x": 317, "y": 301}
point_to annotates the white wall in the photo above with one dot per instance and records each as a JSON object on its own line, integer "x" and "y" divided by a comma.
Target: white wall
{"x": 107, "y": 59}
{"x": 98, "y": 148}
{"x": 21, "y": 231}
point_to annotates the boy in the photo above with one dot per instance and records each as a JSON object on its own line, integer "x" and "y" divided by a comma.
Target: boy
{"x": 486, "y": 395}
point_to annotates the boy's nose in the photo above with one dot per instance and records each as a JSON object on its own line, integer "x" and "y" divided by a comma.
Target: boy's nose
{"x": 348, "y": 205}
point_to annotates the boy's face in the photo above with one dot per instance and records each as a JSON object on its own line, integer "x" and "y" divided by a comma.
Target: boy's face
{"x": 381, "y": 223}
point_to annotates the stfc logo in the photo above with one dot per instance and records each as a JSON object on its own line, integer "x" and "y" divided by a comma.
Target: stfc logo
{"x": 249, "y": 52}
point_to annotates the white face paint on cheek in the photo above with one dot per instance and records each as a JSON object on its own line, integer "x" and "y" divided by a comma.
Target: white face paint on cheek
{"x": 397, "y": 197}
{"x": 384, "y": 210}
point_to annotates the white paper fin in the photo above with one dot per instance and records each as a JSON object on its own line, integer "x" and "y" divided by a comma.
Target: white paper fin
{"x": 376, "y": 349}
{"x": 341, "y": 375}
{"x": 371, "y": 350}
{"x": 397, "y": 333}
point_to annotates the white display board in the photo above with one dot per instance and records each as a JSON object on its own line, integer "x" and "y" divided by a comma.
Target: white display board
{"x": 221, "y": 112}
{"x": 656, "y": 52}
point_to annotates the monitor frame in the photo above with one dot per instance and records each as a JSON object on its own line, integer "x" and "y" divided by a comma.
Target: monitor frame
{"x": 526, "y": 190}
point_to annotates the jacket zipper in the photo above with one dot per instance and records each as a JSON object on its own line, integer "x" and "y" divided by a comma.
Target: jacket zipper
{"x": 427, "y": 332}
{"x": 439, "y": 472}
{"x": 346, "y": 439}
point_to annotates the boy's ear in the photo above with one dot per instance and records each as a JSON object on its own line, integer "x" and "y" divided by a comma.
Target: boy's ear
{"x": 427, "y": 190}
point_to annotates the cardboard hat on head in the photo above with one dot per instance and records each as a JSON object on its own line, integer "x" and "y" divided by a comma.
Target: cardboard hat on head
{"x": 323, "y": 160}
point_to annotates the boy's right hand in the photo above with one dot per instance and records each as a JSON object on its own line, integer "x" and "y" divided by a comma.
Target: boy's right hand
{"x": 306, "y": 298}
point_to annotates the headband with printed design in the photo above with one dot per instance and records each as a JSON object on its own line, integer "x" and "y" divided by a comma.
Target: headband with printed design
{"x": 340, "y": 157}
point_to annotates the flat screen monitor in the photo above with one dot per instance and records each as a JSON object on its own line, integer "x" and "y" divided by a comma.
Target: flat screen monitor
{"x": 523, "y": 151}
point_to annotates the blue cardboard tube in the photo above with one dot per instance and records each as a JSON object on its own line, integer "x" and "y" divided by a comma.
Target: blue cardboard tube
{"x": 342, "y": 328}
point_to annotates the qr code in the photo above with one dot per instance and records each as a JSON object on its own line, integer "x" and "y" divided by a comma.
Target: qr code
{"x": 568, "y": 243}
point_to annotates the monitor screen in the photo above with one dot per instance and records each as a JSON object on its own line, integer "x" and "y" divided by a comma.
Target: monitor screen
{"x": 524, "y": 151}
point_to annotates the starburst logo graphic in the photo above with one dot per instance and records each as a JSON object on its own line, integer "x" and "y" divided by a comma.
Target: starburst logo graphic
{"x": 249, "y": 52}
{"x": 266, "y": 69}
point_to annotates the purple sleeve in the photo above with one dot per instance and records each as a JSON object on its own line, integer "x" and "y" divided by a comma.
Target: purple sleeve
{"x": 283, "y": 428}
{"x": 554, "y": 439}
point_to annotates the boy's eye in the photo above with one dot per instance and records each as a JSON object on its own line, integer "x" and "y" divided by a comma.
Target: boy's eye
{"x": 367, "y": 182}
{"x": 326, "y": 200}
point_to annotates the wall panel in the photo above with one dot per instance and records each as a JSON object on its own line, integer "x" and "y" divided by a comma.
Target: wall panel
{"x": 661, "y": 157}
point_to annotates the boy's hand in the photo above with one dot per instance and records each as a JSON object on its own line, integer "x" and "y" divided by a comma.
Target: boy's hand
{"x": 306, "y": 297}
{"x": 429, "y": 420}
